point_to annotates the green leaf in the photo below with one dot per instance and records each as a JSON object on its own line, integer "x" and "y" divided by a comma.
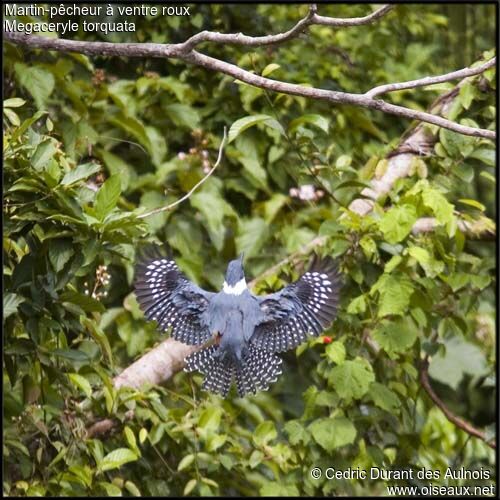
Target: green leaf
{"x": 107, "y": 197}
{"x": 37, "y": 81}
{"x": 11, "y": 302}
{"x": 71, "y": 355}
{"x": 239, "y": 126}
{"x": 395, "y": 336}
{"x": 210, "y": 418}
{"x": 333, "y": 433}
{"x": 430, "y": 265}
{"x": 111, "y": 489}
{"x": 132, "y": 489}
{"x": 394, "y": 291}
{"x": 275, "y": 489}
{"x": 143, "y": 434}
{"x": 87, "y": 303}
{"x": 27, "y": 124}
{"x": 13, "y": 117}
{"x": 190, "y": 485}
{"x": 79, "y": 173}
{"x": 270, "y": 68}
{"x": 185, "y": 462}
{"x": 81, "y": 383}
{"x": 214, "y": 442}
{"x": 265, "y": 432}
{"x": 252, "y": 235}
{"x": 60, "y": 251}
{"x": 352, "y": 379}
{"x": 14, "y": 102}
{"x": 443, "y": 210}
{"x": 44, "y": 152}
{"x": 457, "y": 145}
{"x": 397, "y": 223}
{"x": 472, "y": 203}
{"x": 130, "y": 437}
{"x": 486, "y": 155}
{"x": 213, "y": 208}
{"x": 273, "y": 206}
{"x": 312, "y": 119}
{"x": 357, "y": 305}
{"x": 183, "y": 115}
{"x": 384, "y": 398}
{"x": 393, "y": 262}
{"x": 467, "y": 93}
{"x": 336, "y": 352}
{"x": 296, "y": 432}
{"x": 117, "y": 458}
{"x": 100, "y": 337}
{"x": 461, "y": 357}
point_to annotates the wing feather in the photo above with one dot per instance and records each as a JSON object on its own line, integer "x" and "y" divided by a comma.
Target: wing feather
{"x": 306, "y": 307}
{"x": 169, "y": 298}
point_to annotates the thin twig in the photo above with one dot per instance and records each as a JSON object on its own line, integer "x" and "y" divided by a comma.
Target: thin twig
{"x": 459, "y": 422}
{"x": 195, "y": 187}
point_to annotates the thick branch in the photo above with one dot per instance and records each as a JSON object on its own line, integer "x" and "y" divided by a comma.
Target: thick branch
{"x": 185, "y": 52}
{"x": 195, "y": 187}
{"x": 332, "y": 96}
{"x": 156, "y": 366}
{"x": 459, "y": 422}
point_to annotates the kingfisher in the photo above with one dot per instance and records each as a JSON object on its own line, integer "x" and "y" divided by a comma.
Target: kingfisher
{"x": 240, "y": 333}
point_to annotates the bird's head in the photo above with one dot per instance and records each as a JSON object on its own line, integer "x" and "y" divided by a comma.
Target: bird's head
{"x": 234, "y": 272}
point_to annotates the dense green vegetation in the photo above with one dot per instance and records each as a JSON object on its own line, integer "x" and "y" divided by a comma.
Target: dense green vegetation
{"x": 91, "y": 143}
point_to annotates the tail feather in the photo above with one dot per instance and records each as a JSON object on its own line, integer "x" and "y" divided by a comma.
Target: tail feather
{"x": 218, "y": 373}
{"x": 265, "y": 368}
{"x": 257, "y": 370}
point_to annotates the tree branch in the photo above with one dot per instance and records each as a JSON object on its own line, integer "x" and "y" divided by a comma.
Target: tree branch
{"x": 311, "y": 19}
{"x": 431, "y": 80}
{"x": 195, "y": 187}
{"x": 459, "y": 422}
{"x": 185, "y": 52}
{"x": 482, "y": 228}
{"x": 418, "y": 141}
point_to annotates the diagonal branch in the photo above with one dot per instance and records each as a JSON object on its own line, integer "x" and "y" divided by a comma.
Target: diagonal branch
{"x": 431, "y": 80}
{"x": 195, "y": 187}
{"x": 332, "y": 96}
{"x": 455, "y": 419}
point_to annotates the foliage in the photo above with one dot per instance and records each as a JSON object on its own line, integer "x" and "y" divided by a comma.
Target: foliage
{"x": 90, "y": 144}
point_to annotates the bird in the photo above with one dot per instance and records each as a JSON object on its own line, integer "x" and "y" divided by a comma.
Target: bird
{"x": 241, "y": 334}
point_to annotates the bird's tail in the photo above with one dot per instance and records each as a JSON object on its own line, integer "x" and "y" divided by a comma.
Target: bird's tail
{"x": 257, "y": 370}
{"x": 254, "y": 373}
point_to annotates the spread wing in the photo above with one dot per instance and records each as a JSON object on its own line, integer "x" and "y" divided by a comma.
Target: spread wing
{"x": 307, "y": 306}
{"x": 168, "y": 297}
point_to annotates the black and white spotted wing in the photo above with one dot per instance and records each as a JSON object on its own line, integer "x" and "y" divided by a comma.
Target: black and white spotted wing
{"x": 307, "y": 306}
{"x": 168, "y": 297}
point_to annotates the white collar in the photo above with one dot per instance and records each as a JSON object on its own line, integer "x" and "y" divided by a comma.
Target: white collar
{"x": 237, "y": 289}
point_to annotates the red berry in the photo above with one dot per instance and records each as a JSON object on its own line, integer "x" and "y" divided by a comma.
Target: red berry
{"x": 327, "y": 340}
